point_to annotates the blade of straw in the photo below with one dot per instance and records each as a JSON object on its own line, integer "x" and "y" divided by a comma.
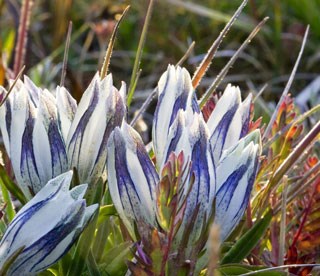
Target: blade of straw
{"x": 136, "y": 69}
{"x": 65, "y": 56}
{"x": 106, "y": 62}
{"x": 278, "y": 268}
{"x": 263, "y": 88}
{"x": 13, "y": 84}
{"x": 288, "y": 86}
{"x": 20, "y": 50}
{"x": 282, "y": 236}
{"x": 187, "y": 54}
{"x": 225, "y": 70}
{"x": 206, "y": 62}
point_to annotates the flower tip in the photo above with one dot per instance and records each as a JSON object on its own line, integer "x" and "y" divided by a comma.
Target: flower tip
{"x": 79, "y": 191}
{"x": 233, "y": 91}
{"x": 123, "y": 91}
{"x": 255, "y": 136}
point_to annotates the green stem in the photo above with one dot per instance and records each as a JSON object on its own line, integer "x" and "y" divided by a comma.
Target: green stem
{"x": 136, "y": 69}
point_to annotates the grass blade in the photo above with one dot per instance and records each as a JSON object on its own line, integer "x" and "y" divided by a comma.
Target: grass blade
{"x": 225, "y": 70}
{"x": 136, "y": 66}
{"x": 206, "y": 62}
{"x": 65, "y": 56}
{"x": 288, "y": 86}
{"x": 106, "y": 62}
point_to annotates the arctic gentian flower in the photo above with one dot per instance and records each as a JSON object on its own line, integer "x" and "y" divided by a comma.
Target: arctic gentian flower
{"x": 229, "y": 121}
{"x": 46, "y": 134}
{"x": 100, "y": 110}
{"x": 221, "y": 157}
{"x": 32, "y": 135}
{"x": 236, "y": 173}
{"x": 46, "y": 227}
{"x": 131, "y": 177}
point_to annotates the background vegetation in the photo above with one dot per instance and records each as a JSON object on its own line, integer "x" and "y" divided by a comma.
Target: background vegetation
{"x": 268, "y": 59}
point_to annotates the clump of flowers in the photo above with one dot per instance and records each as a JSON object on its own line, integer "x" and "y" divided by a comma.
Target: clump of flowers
{"x": 216, "y": 161}
{"x": 97, "y": 201}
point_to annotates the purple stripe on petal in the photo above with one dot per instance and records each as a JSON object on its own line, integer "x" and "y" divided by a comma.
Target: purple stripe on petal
{"x": 174, "y": 142}
{"x": 114, "y": 121}
{"x": 57, "y": 149}
{"x": 28, "y": 165}
{"x": 194, "y": 104}
{"x": 245, "y": 127}
{"x": 80, "y": 129}
{"x": 249, "y": 187}
{"x": 226, "y": 191}
{"x": 46, "y": 244}
{"x": 148, "y": 168}
{"x": 200, "y": 169}
{"x": 123, "y": 176}
{"x": 8, "y": 118}
{"x": 245, "y": 120}
{"x": 180, "y": 103}
{"x": 23, "y": 217}
{"x": 219, "y": 135}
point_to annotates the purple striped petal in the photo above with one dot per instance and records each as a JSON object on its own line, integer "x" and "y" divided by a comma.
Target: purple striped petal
{"x": 203, "y": 189}
{"x": 132, "y": 177}
{"x": 5, "y": 119}
{"x": 47, "y": 141}
{"x": 229, "y": 121}
{"x": 38, "y": 256}
{"x": 44, "y": 229}
{"x": 100, "y": 110}
{"x": 33, "y": 91}
{"x": 175, "y": 93}
{"x": 66, "y": 108}
{"x": 235, "y": 177}
{"x": 191, "y": 138}
{"x": 32, "y": 136}
{"x": 23, "y": 114}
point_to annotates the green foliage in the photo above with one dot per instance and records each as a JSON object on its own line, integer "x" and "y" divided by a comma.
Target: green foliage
{"x": 248, "y": 241}
{"x": 105, "y": 248}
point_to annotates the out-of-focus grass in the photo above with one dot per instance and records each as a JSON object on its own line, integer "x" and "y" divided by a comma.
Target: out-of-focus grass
{"x": 175, "y": 24}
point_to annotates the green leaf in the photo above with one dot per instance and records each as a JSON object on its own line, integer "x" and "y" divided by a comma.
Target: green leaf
{"x": 116, "y": 258}
{"x": 11, "y": 186}
{"x": 92, "y": 265}
{"x": 9, "y": 210}
{"x": 49, "y": 272}
{"x": 248, "y": 241}
{"x": 235, "y": 269}
{"x": 82, "y": 248}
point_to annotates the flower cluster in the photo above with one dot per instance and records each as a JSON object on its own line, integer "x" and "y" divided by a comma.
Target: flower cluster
{"x": 201, "y": 167}
{"x": 221, "y": 155}
{"x": 45, "y": 133}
